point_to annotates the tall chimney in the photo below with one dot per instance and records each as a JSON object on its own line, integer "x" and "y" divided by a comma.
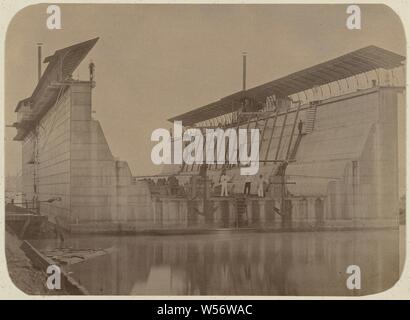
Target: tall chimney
{"x": 244, "y": 71}
{"x": 39, "y": 46}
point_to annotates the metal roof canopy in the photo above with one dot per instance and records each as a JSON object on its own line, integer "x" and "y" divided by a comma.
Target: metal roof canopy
{"x": 60, "y": 65}
{"x": 351, "y": 64}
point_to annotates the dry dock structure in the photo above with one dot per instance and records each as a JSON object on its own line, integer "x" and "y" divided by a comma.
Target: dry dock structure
{"x": 340, "y": 171}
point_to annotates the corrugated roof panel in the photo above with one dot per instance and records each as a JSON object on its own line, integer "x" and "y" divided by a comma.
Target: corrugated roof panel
{"x": 351, "y": 64}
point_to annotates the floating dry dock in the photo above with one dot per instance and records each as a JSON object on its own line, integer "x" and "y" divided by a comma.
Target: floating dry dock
{"x": 340, "y": 171}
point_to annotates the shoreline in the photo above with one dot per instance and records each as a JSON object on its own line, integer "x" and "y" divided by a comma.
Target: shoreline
{"x": 21, "y": 270}
{"x": 201, "y": 231}
{"x": 26, "y": 268}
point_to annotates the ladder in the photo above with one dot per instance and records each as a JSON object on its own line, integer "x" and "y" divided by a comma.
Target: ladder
{"x": 310, "y": 119}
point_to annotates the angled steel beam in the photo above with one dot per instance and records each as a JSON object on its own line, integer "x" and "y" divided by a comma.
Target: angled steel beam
{"x": 263, "y": 134}
{"x": 271, "y": 134}
{"x": 281, "y": 133}
{"x": 293, "y": 131}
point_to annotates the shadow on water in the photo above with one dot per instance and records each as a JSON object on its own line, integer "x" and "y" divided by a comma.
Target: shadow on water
{"x": 308, "y": 263}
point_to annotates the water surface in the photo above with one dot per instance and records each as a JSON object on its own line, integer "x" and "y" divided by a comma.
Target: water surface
{"x": 304, "y": 263}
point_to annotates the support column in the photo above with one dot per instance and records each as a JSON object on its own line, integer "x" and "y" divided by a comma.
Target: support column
{"x": 180, "y": 215}
{"x": 249, "y": 211}
{"x": 338, "y": 214}
{"x": 183, "y": 214}
{"x": 262, "y": 213}
{"x": 311, "y": 211}
{"x": 232, "y": 214}
{"x": 217, "y": 216}
{"x": 173, "y": 209}
{"x": 296, "y": 212}
{"x": 328, "y": 210}
{"x": 154, "y": 216}
{"x": 201, "y": 217}
{"x": 303, "y": 210}
{"x": 165, "y": 212}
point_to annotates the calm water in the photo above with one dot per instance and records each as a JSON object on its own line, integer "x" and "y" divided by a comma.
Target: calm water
{"x": 309, "y": 263}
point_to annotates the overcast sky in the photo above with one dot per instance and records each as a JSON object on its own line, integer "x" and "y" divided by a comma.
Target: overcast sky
{"x": 157, "y": 61}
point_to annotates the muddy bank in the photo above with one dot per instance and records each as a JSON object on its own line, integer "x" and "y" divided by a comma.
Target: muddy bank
{"x": 22, "y": 272}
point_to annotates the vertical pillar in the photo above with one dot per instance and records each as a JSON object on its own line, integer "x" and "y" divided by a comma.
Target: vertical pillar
{"x": 153, "y": 219}
{"x": 185, "y": 212}
{"x": 338, "y": 214}
{"x": 172, "y": 213}
{"x": 232, "y": 214}
{"x": 327, "y": 213}
{"x": 249, "y": 211}
{"x": 387, "y": 178}
{"x": 296, "y": 212}
{"x": 199, "y": 217}
{"x": 177, "y": 214}
{"x": 262, "y": 212}
{"x": 159, "y": 215}
{"x": 302, "y": 209}
{"x": 180, "y": 214}
{"x": 311, "y": 211}
{"x": 165, "y": 212}
{"x": 217, "y": 215}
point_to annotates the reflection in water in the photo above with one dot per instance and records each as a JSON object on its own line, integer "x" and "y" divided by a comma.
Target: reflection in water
{"x": 311, "y": 263}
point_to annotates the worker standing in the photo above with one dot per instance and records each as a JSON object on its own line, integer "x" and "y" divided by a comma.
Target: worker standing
{"x": 224, "y": 185}
{"x": 247, "y": 188}
{"x": 261, "y": 184}
{"x": 300, "y": 126}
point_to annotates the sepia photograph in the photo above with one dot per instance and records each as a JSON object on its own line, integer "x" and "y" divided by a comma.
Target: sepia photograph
{"x": 205, "y": 149}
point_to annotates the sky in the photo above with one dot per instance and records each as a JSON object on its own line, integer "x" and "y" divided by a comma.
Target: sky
{"x": 157, "y": 61}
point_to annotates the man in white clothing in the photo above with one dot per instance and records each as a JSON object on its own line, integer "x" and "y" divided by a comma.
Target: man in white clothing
{"x": 261, "y": 186}
{"x": 224, "y": 185}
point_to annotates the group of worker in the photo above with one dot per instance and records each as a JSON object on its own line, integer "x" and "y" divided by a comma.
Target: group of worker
{"x": 168, "y": 186}
{"x": 260, "y": 183}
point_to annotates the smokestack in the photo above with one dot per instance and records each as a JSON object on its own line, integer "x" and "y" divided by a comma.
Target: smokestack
{"x": 244, "y": 71}
{"x": 39, "y": 46}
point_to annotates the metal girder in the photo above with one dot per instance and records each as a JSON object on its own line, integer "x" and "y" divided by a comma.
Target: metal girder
{"x": 281, "y": 133}
{"x": 293, "y": 131}
{"x": 271, "y": 134}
